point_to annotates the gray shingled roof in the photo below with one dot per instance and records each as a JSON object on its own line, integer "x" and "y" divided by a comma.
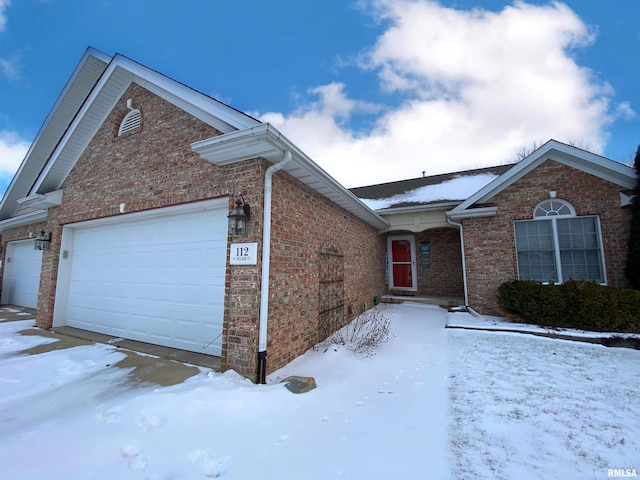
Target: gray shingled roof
{"x": 391, "y": 189}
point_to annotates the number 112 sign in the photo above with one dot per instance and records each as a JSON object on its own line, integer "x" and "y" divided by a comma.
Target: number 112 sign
{"x": 244, "y": 253}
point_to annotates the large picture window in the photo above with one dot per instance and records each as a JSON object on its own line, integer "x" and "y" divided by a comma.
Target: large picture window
{"x": 557, "y": 245}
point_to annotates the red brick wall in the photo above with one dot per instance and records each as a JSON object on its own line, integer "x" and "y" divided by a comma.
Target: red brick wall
{"x": 443, "y": 276}
{"x": 155, "y": 168}
{"x": 302, "y": 221}
{"x": 489, "y": 241}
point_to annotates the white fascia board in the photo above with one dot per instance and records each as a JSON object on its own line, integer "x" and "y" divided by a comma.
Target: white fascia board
{"x": 42, "y": 201}
{"x": 211, "y": 111}
{"x": 107, "y": 75}
{"x": 573, "y": 157}
{"x": 24, "y": 219}
{"x": 601, "y": 167}
{"x": 472, "y": 213}
{"x": 267, "y": 142}
{"x": 24, "y": 178}
{"x": 418, "y": 208}
{"x": 206, "y": 109}
{"x": 239, "y": 145}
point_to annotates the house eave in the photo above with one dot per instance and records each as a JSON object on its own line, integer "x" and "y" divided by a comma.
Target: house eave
{"x": 265, "y": 141}
{"x": 117, "y": 77}
{"x": 24, "y": 219}
{"x": 55, "y": 126}
{"x": 472, "y": 213}
{"x": 42, "y": 201}
{"x": 588, "y": 162}
{"x": 418, "y": 208}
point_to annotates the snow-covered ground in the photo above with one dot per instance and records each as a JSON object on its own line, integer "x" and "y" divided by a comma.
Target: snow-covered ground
{"x": 432, "y": 403}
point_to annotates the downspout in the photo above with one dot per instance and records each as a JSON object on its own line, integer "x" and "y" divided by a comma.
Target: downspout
{"x": 464, "y": 261}
{"x": 266, "y": 261}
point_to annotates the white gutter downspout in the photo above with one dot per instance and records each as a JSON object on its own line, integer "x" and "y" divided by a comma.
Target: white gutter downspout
{"x": 464, "y": 262}
{"x": 266, "y": 261}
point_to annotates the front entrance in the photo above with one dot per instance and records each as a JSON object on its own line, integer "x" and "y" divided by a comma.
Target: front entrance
{"x": 401, "y": 253}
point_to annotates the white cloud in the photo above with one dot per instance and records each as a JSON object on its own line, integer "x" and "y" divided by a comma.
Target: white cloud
{"x": 476, "y": 85}
{"x": 9, "y": 67}
{"x": 13, "y": 149}
{"x": 3, "y": 17}
{"x": 625, "y": 111}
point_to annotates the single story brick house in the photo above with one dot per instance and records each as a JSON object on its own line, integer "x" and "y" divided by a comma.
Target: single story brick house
{"x": 161, "y": 215}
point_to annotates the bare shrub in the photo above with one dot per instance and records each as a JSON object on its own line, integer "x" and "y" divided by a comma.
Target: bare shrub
{"x": 364, "y": 334}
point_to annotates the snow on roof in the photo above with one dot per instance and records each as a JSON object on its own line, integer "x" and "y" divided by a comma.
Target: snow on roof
{"x": 460, "y": 187}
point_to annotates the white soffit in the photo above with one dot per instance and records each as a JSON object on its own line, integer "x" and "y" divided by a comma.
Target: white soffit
{"x": 587, "y": 162}
{"x": 90, "y": 68}
{"x": 267, "y": 142}
{"x": 24, "y": 219}
{"x": 120, "y": 73}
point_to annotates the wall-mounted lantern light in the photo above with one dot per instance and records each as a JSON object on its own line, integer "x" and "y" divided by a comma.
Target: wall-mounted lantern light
{"x": 239, "y": 217}
{"x": 42, "y": 241}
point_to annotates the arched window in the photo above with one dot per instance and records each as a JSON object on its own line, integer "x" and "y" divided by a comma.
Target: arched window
{"x": 554, "y": 207}
{"x": 557, "y": 245}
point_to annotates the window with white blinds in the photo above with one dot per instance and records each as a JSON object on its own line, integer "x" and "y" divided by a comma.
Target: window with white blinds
{"x": 556, "y": 248}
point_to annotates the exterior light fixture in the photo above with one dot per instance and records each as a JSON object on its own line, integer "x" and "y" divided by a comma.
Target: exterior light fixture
{"x": 239, "y": 217}
{"x": 42, "y": 241}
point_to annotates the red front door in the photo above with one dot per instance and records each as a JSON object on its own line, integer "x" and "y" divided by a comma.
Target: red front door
{"x": 402, "y": 262}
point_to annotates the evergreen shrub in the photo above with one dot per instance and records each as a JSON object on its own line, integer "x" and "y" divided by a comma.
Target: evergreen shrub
{"x": 574, "y": 304}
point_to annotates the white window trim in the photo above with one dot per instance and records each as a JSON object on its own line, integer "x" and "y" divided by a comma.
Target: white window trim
{"x": 556, "y": 244}
{"x": 554, "y": 200}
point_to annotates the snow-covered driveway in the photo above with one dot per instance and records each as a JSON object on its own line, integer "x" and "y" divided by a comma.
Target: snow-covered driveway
{"x": 432, "y": 403}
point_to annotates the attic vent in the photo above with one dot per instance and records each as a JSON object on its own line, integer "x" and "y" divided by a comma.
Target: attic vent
{"x": 132, "y": 120}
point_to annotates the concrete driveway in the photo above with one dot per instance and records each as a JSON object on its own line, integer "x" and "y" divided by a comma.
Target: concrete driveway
{"x": 147, "y": 364}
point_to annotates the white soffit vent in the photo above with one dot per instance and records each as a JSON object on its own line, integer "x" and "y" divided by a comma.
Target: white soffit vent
{"x": 132, "y": 120}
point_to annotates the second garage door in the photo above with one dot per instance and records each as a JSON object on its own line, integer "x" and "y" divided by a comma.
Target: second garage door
{"x": 21, "y": 280}
{"x": 157, "y": 279}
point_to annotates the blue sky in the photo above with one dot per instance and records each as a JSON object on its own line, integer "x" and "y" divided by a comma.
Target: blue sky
{"x": 372, "y": 90}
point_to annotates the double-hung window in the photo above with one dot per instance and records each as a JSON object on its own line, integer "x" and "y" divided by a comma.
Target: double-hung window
{"x": 557, "y": 246}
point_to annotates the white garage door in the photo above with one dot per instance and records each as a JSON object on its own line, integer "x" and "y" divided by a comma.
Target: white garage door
{"x": 158, "y": 280}
{"x": 21, "y": 279}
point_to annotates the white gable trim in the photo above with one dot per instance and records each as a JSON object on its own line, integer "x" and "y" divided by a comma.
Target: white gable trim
{"x": 120, "y": 73}
{"x": 565, "y": 154}
{"x": 81, "y": 82}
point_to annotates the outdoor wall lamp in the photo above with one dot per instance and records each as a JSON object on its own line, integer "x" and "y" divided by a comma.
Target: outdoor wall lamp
{"x": 42, "y": 241}
{"x": 239, "y": 217}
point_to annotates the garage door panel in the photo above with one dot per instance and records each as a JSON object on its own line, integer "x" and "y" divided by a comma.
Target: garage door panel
{"x": 159, "y": 280}
{"x": 21, "y": 279}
